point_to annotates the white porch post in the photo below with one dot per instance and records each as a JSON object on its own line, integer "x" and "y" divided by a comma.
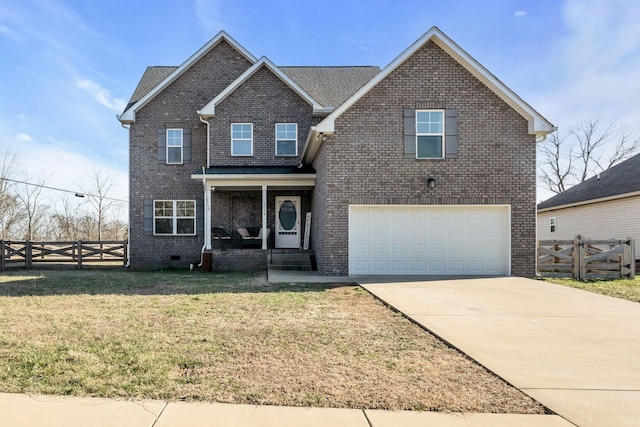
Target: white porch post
{"x": 207, "y": 215}
{"x": 264, "y": 217}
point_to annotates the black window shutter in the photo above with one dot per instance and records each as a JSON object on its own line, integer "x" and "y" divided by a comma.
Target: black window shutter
{"x": 410, "y": 133}
{"x": 162, "y": 146}
{"x": 148, "y": 216}
{"x": 451, "y": 133}
{"x": 200, "y": 217}
{"x": 186, "y": 145}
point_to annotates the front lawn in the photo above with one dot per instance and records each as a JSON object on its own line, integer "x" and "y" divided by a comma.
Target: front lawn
{"x": 230, "y": 337}
{"x": 628, "y": 289}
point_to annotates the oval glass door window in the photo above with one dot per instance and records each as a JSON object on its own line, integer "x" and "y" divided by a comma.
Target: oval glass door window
{"x": 287, "y": 215}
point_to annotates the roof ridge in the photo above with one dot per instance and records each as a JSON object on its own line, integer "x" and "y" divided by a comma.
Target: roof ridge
{"x": 329, "y": 66}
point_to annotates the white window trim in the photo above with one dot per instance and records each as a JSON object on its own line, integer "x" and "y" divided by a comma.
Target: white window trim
{"x": 174, "y": 146}
{"x": 242, "y": 139}
{"x": 553, "y": 224}
{"x": 431, "y": 134}
{"x": 175, "y": 218}
{"x": 295, "y": 141}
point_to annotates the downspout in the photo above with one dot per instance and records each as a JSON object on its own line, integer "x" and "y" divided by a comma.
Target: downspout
{"x": 127, "y": 126}
{"x": 206, "y": 122}
{"x": 204, "y": 181}
{"x": 204, "y": 191}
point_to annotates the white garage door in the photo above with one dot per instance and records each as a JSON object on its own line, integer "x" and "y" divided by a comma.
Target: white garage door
{"x": 430, "y": 240}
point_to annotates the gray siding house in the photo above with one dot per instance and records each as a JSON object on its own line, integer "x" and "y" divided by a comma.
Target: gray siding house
{"x": 426, "y": 166}
{"x": 606, "y": 206}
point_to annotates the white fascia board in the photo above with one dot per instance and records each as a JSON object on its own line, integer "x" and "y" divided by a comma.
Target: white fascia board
{"x": 251, "y": 180}
{"x": 590, "y": 202}
{"x": 210, "y": 109}
{"x": 129, "y": 116}
{"x": 538, "y": 125}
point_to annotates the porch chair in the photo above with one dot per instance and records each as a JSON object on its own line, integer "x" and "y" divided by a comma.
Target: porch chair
{"x": 252, "y": 236}
{"x": 220, "y": 236}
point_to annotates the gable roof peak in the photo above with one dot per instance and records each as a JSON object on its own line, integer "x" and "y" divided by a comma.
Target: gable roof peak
{"x": 538, "y": 125}
{"x": 128, "y": 116}
{"x": 209, "y": 109}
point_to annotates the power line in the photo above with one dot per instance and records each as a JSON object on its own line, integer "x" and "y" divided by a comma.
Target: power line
{"x": 75, "y": 193}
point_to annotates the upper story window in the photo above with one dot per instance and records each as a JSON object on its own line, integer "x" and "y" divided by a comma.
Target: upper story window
{"x": 286, "y": 139}
{"x": 429, "y": 134}
{"x": 242, "y": 139}
{"x": 552, "y": 224}
{"x": 174, "y": 217}
{"x": 174, "y": 146}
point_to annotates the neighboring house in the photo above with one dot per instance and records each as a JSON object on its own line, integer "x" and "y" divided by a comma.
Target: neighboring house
{"x": 424, "y": 167}
{"x": 605, "y": 206}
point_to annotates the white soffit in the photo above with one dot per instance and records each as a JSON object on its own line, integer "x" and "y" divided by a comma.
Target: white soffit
{"x": 129, "y": 115}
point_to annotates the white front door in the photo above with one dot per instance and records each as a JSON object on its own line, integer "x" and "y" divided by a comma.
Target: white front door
{"x": 288, "y": 222}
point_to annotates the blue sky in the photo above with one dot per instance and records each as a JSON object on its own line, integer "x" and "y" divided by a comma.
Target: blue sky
{"x": 69, "y": 66}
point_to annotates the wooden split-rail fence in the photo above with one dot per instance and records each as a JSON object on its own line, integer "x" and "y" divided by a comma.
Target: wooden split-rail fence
{"x": 584, "y": 259}
{"x": 26, "y": 254}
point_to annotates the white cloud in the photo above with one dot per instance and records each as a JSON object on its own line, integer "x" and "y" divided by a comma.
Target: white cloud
{"x": 61, "y": 165}
{"x": 102, "y": 95}
{"x": 519, "y": 13}
{"x": 595, "y": 66}
{"x": 210, "y": 15}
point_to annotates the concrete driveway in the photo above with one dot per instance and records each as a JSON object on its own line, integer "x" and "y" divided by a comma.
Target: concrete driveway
{"x": 576, "y": 352}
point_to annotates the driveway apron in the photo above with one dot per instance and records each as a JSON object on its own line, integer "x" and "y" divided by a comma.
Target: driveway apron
{"x": 576, "y": 352}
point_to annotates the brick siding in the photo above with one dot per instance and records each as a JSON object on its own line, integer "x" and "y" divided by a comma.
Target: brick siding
{"x": 174, "y": 107}
{"x": 365, "y": 162}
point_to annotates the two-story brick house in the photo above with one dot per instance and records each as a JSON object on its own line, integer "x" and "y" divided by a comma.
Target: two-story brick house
{"x": 426, "y": 166}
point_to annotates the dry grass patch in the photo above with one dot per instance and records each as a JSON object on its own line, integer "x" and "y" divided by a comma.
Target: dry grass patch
{"x": 230, "y": 338}
{"x": 628, "y": 289}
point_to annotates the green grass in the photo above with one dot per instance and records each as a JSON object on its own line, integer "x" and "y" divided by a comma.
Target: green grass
{"x": 628, "y": 289}
{"x": 181, "y": 335}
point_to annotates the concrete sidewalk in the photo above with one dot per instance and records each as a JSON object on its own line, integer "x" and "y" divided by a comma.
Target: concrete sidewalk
{"x": 18, "y": 410}
{"x": 576, "y": 352}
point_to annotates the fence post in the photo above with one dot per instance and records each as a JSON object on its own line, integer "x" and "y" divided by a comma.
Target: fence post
{"x": 79, "y": 254}
{"x": 583, "y": 262}
{"x": 630, "y": 257}
{"x": 125, "y": 252}
{"x": 28, "y": 255}
{"x": 2, "y": 255}
{"x": 576, "y": 257}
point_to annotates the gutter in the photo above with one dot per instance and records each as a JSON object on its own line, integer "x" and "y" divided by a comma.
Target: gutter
{"x": 127, "y": 126}
{"x": 205, "y": 121}
{"x": 590, "y": 202}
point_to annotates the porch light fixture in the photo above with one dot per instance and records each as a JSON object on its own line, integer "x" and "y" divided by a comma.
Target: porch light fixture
{"x": 431, "y": 182}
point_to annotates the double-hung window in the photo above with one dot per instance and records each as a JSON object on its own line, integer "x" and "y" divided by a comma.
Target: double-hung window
{"x": 552, "y": 224}
{"x": 242, "y": 139}
{"x": 174, "y": 146}
{"x": 430, "y": 134}
{"x": 286, "y": 139}
{"x": 174, "y": 217}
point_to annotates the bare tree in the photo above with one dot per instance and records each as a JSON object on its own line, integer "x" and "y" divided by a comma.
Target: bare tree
{"x": 34, "y": 210}
{"x": 10, "y": 210}
{"x": 99, "y": 198}
{"x": 591, "y": 146}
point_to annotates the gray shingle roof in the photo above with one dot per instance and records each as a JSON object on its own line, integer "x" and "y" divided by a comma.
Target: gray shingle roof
{"x": 150, "y": 79}
{"x": 620, "y": 179}
{"x": 330, "y": 86}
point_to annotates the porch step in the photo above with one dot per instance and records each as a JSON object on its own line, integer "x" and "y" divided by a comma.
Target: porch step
{"x": 290, "y": 262}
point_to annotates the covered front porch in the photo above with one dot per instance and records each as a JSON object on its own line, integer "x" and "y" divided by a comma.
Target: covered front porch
{"x": 254, "y": 209}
